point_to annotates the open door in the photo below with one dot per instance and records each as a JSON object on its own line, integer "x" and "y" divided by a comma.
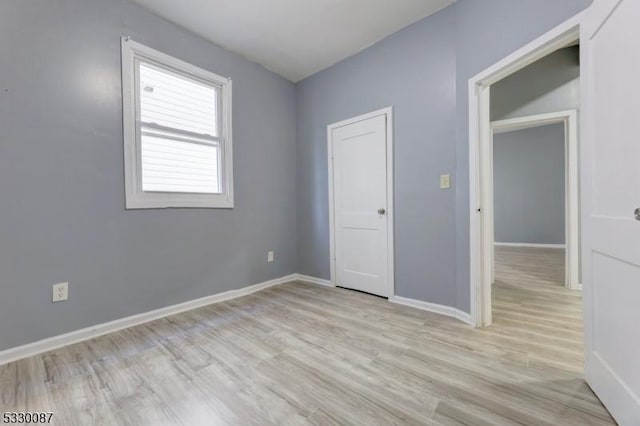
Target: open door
{"x": 611, "y": 197}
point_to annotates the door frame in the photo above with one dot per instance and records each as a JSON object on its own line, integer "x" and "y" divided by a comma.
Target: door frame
{"x": 480, "y": 197}
{"x": 569, "y": 118}
{"x": 388, "y": 112}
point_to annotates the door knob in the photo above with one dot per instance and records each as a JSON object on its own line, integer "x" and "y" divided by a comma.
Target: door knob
{"x": 383, "y": 211}
{"x": 637, "y": 213}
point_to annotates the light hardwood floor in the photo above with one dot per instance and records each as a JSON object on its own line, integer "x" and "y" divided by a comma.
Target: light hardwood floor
{"x": 531, "y": 304}
{"x": 301, "y": 354}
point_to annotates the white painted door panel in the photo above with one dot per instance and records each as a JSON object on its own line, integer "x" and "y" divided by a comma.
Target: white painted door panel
{"x": 611, "y": 163}
{"x": 360, "y": 190}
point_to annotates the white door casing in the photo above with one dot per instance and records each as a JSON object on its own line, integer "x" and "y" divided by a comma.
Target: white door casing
{"x": 360, "y": 203}
{"x": 610, "y": 50}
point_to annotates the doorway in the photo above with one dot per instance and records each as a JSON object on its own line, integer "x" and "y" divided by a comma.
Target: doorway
{"x": 524, "y": 294}
{"x": 535, "y": 259}
{"x": 360, "y": 159}
{"x": 481, "y": 158}
{"x": 608, "y": 189}
{"x": 536, "y": 203}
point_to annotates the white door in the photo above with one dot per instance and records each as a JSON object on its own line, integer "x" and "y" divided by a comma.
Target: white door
{"x": 611, "y": 179}
{"x": 360, "y": 202}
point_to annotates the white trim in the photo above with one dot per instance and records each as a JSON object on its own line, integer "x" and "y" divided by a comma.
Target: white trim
{"x": 135, "y": 198}
{"x": 388, "y": 112}
{"x": 480, "y": 232}
{"x": 550, "y": 246}
{"x": 313, "y": 280}
{"x": 560, "y": 36}
{"x": 433, "y": 307}
{"x": 55, "y": 342}
{"x": 529, "y": 121}
{"x": 569, "y": 119}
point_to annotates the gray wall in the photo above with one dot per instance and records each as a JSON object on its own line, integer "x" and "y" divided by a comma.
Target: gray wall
{"x": 61, "y": 175}
{"x": 529, "y": 185}
{"x": 414, "y": 71}
{"x": 548, "y": 85}
{"x": 417, "y": 70}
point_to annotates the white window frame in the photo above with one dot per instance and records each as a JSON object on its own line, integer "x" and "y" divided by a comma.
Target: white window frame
{"x": 135, "y": 197}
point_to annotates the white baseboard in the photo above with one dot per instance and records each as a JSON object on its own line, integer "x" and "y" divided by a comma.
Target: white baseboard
{"x": 313, "y": 280}
{"x": 434, "y": 307}
{"x": 554, "y": 246}
{"x": 55, "y": 342}
{"x": 425, "y": 306}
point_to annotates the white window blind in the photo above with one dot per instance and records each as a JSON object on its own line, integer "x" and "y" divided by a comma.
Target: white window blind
{"x": 180, "y": 147}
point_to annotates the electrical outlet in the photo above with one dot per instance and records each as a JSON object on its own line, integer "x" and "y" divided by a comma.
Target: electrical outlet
{"x": 60, "y": 292}
{"x": 270, "y": 257}
{"x": 445, "y": 181}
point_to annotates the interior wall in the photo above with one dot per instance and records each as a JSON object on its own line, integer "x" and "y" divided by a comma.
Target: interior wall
{"x": 548, "y": 85}
{"x": 413, "y": 70}
{"x": 62, "y": 180}
{"x": 529, "y": 185}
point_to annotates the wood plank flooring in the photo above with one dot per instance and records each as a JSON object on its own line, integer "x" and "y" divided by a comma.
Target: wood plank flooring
{"x": 300, "y": 354}
{"x": 531, "y": 304}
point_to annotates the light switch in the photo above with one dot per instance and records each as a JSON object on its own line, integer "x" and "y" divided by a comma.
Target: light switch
{"x": 445, "y": 181}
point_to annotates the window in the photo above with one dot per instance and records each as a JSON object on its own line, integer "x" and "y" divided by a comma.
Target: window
{"x": 177, "y": 132}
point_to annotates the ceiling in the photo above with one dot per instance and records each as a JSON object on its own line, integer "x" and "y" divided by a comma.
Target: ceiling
{"x": 294, "y": 38}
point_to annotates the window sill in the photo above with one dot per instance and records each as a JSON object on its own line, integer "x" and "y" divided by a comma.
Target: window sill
{"x": 179, "y": 201}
